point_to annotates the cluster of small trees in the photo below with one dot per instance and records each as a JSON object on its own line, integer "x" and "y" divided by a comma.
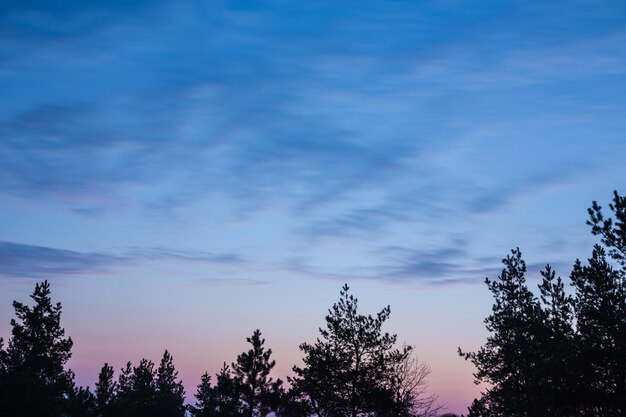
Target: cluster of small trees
{"x": 562, "y": 353}
{"x": 140, "y": 391}
{"x": 34, "y": 381}
{"x": 245, "y": 390}
{"x": 353, "y": 369}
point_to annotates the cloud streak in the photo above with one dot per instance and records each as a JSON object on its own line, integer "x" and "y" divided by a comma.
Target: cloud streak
{"x": 31, "y": 261}
{"x": 185, "y": 255}
{"x": 19, "y": 260}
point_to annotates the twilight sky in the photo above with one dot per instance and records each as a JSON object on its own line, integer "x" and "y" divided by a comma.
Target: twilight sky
{"x": 184, "y": 172}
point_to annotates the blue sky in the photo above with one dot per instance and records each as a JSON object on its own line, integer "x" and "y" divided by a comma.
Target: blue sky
{"x": 280, "y": 148}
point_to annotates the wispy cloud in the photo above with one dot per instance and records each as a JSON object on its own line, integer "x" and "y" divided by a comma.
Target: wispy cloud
{"x": 30, "y": 261}
{"x": 450, "y": 264}
{"x": 184, "y": 255}
{"x": 203, "y": 282}
{"x": 19, "y": 260}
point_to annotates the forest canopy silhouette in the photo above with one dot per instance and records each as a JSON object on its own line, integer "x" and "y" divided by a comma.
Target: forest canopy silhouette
{"x": 562, "y": 353}
{"x": 556, "y": 351}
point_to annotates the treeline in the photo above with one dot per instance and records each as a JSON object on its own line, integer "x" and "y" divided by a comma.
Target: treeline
{"x": 558, "y": 352}
{"x": 353, "y": 369}
{"x": 563, "y": 353}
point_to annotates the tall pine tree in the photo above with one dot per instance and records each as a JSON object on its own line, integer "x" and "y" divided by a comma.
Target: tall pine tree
{"x": 33, "y": 378}
{"x": 601, "y": 335}
{"x": 510, "y": 359}
{"x": 556, "y": 342}
{"x": 346, "y": 373}
{"x": 105, "y": 393}
{"x": 170, "y": 394}
{"x": 600, "y": 302}
{"x": 257, "y": 391}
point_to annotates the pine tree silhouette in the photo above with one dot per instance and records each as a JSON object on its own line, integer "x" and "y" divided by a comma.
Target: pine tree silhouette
{"x": 33, "y": 380}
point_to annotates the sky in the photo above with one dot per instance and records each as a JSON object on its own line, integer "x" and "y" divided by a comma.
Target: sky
{"x": 184, "y": 172}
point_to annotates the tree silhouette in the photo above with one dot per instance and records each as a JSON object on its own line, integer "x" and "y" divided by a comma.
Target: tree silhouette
{"x": 33, "y": 381}
{"x": 557, "y": 344}
{"x": 508, "y": 360}
{"x": 347, "y": 371}
{"x": 221, "y": 400}
{"x": 136, "y": 394}
{"x": 408, "y": 383}
{"x": 81, "y": 403}
{"x": 206, "y": 399}
{"x": 601, "y": 319}
{"x": 293, "y": 404}
{"x": 227, "y": 394}
{"x": 258, "y": 393}
{"x": 600, "y": 301}
{"x": 559, "y": 355}
{"x": 611, "y": 230}
{"x": 105, "y": 393}
{"x": 170, "y": 394}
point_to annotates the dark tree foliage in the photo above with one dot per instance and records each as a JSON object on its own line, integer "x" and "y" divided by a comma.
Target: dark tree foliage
{"x": 611, "y": 230}
{"x": 559, "y": 355}
{"x": 600, "y": 302}
{"x": 140, "y": 390}
{"x": 221, "y": 400}
{"x": 557, "y": 344}
{"x": 293, "y": 404}
{"x": 105, "y": 393}
{"x": 81, "y": 403}
{"x": 227, "y": 394}
{"x": 206, "y": 398}
{"x": 136, "y": 394}
{"x": 33, "y": 381}
{"x": 347, "y": 371}
{"x": 170, "y": 394}
{"x": 259, "y": 394}
{"x": 246, "y": 390}
{"x": 3, "y": 371}
{"x": 510, "y": 359}
{"x": 601, "y": 338}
